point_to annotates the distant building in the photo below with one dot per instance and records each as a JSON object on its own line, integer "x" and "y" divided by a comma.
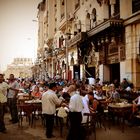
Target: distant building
{"x": 20, "y": 67}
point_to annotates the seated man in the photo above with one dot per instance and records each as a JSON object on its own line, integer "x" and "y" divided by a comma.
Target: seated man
{"x": 98, "y": 93}
{"x": 113, "y": 95}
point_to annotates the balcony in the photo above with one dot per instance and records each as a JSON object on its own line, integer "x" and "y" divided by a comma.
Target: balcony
{"x": 104, "y": 25}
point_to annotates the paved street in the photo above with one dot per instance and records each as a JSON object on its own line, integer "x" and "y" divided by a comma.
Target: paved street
{"x": 38, "y": 132}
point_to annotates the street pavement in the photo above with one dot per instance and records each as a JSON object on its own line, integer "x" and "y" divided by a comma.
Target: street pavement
{"x": 37, "y": 132}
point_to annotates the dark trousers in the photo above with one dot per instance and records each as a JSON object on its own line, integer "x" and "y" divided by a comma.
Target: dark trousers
{"x": 49, "y": 125}
{"x": 75, "y": 126}
{"x": 2, "y": 124}
{"x": 12, "y": 104}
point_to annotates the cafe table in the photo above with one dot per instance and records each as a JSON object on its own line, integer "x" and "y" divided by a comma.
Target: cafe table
{"x": 121, "y": 111}
{"x": 30, "y": 109}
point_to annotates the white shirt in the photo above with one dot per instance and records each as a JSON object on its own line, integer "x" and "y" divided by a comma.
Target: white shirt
{"x": 138, "y": 100}
{"x": 14, "y": 85}
{"x": 97, "y": 95}
{"x": 86, "y": 108}
{"x": 91, "y": 81}
{"x": 76, "y": 103}
{"x": 49, "y": 102}
{"x": 3, "y": 92}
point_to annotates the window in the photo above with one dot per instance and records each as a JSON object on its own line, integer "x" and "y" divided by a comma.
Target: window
{"x": 62, "y": 2}
{"x": 88, "y": 22}
{"x": 116, "y": 14}
{"x": 135, "y": 5}
{"x": 117, "y": 9}
{"x": 94, "y": 14}
{"x": 62, "y": 9}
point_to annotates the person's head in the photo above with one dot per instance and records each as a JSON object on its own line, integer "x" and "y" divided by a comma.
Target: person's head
{"x": 46, "y": 86}
{"x": 97, "y": 80}
{"x": 98, "y": 88}
{"x": 87, "y": 82}
{"x": 11, "y": 77}
{"x": 124, "y": 80}
{"x": 41, "y": 83}
{"x": 53, "y": 86}
{"x": 26, "y": 85}
{"x": 89, "y": 88}
{"x": 115, "y": 81}
{"x": 36, "y": 88}
{"x": 59, "y": 87}
{"x": 71, "y": 88}
{"x": 1, "y": 78}
{"x": 90, "y": 95}
{"x": 112, "y": 87}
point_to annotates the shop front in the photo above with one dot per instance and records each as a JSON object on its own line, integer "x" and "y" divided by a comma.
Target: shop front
{"x": 108, "y": 40}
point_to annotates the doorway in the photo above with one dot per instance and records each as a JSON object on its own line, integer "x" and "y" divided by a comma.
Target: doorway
{"x": 76, "y": 70}
{"x": 90, "y": 72}
{"x": 115, "y": 72}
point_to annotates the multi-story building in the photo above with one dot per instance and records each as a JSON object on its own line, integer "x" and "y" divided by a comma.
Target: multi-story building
{"x": 20, "y": 67}
{"x": 98, "y": 38}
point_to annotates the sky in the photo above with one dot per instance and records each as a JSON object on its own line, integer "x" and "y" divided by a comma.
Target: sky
{"x": 18, "y": 32}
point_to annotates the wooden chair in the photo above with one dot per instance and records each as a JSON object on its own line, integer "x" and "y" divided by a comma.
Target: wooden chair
{"x": 90, "y": 126}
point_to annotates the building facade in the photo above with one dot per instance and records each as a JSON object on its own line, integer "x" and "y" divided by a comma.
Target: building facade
{"x": 20, "y": 67}
{"x": 89, "y": 38}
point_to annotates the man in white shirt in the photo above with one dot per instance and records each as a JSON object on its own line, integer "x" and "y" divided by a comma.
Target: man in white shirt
{"x": 49, "y": 103}
{"x": 12, "y": 97}
{"x": 86, "y": 100}
{"x": 3, "y": 99}
{"x": 91, "y": 81}
{"x": 75, "y": 106}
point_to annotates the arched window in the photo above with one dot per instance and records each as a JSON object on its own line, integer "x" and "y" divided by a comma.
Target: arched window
{"x": 93, "y": 15}
{"x": 63, "y": 65}
{"x": 79, "y": 26}
{"x": 75, "y": 29}
{"x": 88, "y": 23}
{"x": 69, "y": 31}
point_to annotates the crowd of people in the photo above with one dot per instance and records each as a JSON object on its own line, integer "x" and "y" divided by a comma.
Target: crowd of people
{"x": 79, "y": 97}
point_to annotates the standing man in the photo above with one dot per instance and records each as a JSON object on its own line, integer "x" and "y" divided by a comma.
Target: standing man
{"x": 75, "y": 114}
{"x": 3, "y": 99}
{"x": 49, "y": 103}
{"x": 12, "y": 98}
